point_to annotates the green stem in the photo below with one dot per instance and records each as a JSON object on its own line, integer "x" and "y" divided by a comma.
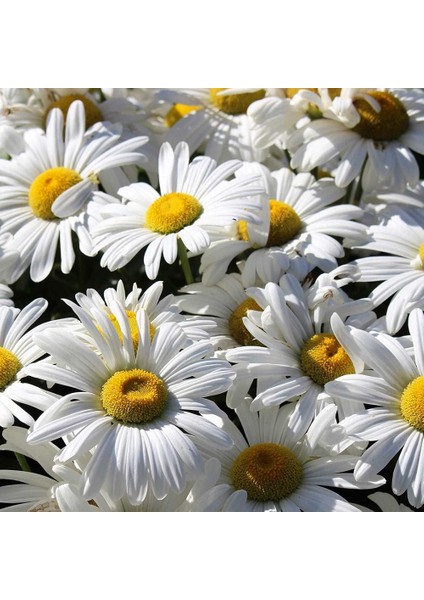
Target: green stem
{"x": 23, "y": 463}
{"x": 185, "y": 265}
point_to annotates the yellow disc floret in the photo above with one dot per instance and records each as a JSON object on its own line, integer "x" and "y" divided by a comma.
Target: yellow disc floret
{"x": 47, "y": 187}
{"x": 93, "y": 114}
{"x": 235, "y": 104}
{"x": 284, "y": 223}
{"x": 235, "y": 323}
{"x": 384, "y": 126}
{"x": 421, "y": 254}
{"x": 172, "y": 212}
{"x": 412, "y": 403}
{"x": 134, "y": 396}
{"x": 132, "y": 321}
{"x": 178, "y": 111}
{"x": 267, "y": 472}
{"x": 323, "y": 359}
{"x": 9, "y": 367}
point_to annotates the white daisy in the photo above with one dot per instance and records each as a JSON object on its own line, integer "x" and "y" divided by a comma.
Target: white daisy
{"x": 158, "y": 310}
{"x": 299, "y": 357}
{"x": 141, "y": 413}
{"x": 367, "y": 128}
{"x": 395, "y": 386}
{"x": 224, "y": 304}
{"x": 195, "y": 199}
{"x": 402, "y": 237}
{"x": 45, "y": 191}
{"x": 275, "y": 118}
{"x": 297, "y": 221}
{"x": 212, "y": 121}
{"x": 17, "y": 352}
{"x": 271, "y": 469}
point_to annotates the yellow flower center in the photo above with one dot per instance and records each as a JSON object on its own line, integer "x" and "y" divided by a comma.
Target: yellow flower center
{"x": 178, "y": 111}
{"x": 132, "y": 321}
{"x": 47, "y": 187}
{"x": 92, "y": 112}
{"x": 9, "y": 367}
{"x": 267, "y": 472}
{"x": 235, "y": 323}
{"x": 134, "y": 396}
{"x": 412, "y": 403}
{"x": 384, "y": 126}
{"x": 284, "y": 224}
{"x": 323, "y": 359}
{"x": 172, "y": 212}
{"x": 421, "y": 253}
{"x": 235, "y": 104}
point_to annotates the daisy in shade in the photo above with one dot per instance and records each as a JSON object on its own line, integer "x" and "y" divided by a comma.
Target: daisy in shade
{"x": 212, "y": 121}
{"x": 140, "y": 413}
{"x": 158, "y": 311}
{"x": 298, "y": 357}
{"x": 388, "y": 503}
{"x": 46, "y": 190}
{"x": 195, "y": 199}
{"x": 295, "y": 233}
{"x": 271, "y": 469}
{"x": 36, "y": 492}
{"x": 224, "y": 304}
{"x": 17, "y": 352}
{"x": 395, "y": 387}
{"x": 376, "y": 130}
{"x": 275, "y": 118}
{"x": 402, "y": 273}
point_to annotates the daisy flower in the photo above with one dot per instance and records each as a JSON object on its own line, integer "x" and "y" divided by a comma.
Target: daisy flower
{"x": 17, "y": 352}
{"x": 376, "y": 130}
{"x": 224, "y": 304}
{"x": 402, "y": 273}
{"x": 195, "y": 198}
{"x": 395, "y": 387}
{"x": 212, "y": 121}
{"x": 297, "y": 220}
{"x": 299, "y": 357}
{"x": 388, "y": 503}
{"x": 271, "y": 469}
{"x": 275, "y": 118}
{"x": 139, "y": 413}
{"x": 158, "y": 310}
{"x": 45, "y": 191}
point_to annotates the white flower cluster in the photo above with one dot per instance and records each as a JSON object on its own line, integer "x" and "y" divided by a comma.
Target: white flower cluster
{"x": 242, "y": 275}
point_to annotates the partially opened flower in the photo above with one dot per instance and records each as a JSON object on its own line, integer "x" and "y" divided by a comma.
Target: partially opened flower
{"x": 46, "y": 190}
{"x": 195, "y": 199}
{"x": 139, "y": 413}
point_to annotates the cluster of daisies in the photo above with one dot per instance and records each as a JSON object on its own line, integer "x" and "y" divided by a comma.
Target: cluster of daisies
{"x": 236, "y": 292}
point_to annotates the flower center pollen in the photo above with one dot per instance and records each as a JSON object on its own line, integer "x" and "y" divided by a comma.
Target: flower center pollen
{"x": 235, "y": 104}
{"x": 172, "y": 212}
{"x": 9, "y": 367}
{"x": 178, "y": 111}
{"x": 47, "y": 187}
{"x": 421, "y": 254}
{"x": 134, "y": 396}
{"x": 284, "y": 224}
{"x": 235, "y": 323}
{"x": 323, "y": 359}
{"x": 92, "y": 113}
{"x": 132, "y": 321}
{"x": 412, "y": 403}
{"x": 384, "y": 126}
{"x": 267, "y": 472}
